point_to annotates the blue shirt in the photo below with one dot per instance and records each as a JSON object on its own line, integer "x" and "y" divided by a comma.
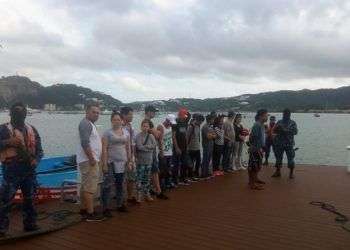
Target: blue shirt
{"x": 257, "y": 137}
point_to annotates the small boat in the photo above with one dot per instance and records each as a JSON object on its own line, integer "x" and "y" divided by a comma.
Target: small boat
{"x": 317, "y": 115}
{"x": 51, "y": 174}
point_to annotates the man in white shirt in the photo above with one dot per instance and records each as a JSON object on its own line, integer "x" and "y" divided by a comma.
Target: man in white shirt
{"x": 88, "y": 157}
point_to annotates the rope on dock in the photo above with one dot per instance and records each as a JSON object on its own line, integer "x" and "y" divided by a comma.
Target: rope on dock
{"x": 340, "y": 218}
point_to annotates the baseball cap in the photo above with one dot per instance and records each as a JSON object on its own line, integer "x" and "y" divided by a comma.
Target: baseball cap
{"x": 183, "y": 113}
{"x": 231, "y": 113}
{"x": 151, "y": 108}
{"x": 171, "y": 118}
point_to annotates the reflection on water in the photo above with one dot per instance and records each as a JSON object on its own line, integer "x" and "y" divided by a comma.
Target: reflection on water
{"x": 321, "y": 140}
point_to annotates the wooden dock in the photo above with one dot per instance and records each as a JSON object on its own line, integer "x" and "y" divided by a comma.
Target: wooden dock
{"x": 222, "y": 214}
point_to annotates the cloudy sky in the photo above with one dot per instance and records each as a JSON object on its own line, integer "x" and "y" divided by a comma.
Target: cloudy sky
{"x": 160, "y": 49}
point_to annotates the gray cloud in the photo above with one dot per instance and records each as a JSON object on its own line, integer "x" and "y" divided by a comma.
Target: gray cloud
{"x": 129, "y": 46}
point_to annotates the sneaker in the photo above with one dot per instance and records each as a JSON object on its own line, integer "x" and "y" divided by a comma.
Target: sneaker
{"x": 122, "y": 209}
{"x": 187, "y": 183}
{"x": 149, "y": 199}
{"x": 94, "y": 217}
{"x": 83, "y": 213}
{"x": 162, "y": 196}
{"x": 107, "y": 213}
{"x": 32, "y": 228}
{"x": 132, "y": 201}
{"x": 218, "y": 173}
{"x": 184, "y": 183}
{"x": 195, "y": 179}
{"x": 277, "y": 174}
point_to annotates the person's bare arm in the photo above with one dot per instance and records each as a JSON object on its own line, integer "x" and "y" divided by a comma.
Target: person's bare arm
{"x": 176, "y": 145}
{"x": 160, "y": 140}
{"x": 128, "y": 150}
{"x": 104, "y": 156}
{"x": 85, "y": 130}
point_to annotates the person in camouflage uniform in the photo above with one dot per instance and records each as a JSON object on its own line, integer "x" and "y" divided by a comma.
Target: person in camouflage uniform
{"x": 285, "y": 131}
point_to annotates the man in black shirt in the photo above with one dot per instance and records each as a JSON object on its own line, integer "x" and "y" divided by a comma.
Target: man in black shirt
{"x": 181, "y": 158}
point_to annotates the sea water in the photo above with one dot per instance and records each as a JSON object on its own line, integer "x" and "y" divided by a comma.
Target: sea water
{"x": 321, "y": 141}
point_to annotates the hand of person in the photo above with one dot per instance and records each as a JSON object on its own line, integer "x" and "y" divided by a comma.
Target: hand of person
{"x": 178, "y": 150}
{"x": 161, "y": 154}
{"x": 33, "y": 163}
{"x": 130, "y": 165}
{"x": 92, "y": 162}
{"x": 14, "y": 142}
{"x": 105, "y": 169}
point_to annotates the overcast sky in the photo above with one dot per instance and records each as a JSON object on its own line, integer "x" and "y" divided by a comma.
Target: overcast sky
{"x": 160, "y": 49}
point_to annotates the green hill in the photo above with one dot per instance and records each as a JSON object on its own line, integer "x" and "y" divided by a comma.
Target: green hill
{"x": 65, "y": 96}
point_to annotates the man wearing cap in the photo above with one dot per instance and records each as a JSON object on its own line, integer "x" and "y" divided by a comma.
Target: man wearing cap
{"x": 194, "y": 145}
{"x": 150, "y": 113}
{"x": 181, "y": 159}
{"x": 165, "y": 155}
{"x": 229, "y": 135}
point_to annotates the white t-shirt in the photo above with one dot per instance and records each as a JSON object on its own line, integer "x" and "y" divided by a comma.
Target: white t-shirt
{"x": 89, "y": 136}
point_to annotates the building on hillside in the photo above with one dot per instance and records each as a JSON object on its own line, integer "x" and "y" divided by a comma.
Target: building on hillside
{"x": 50, "y": 107}
{"x": 79, "y": 106}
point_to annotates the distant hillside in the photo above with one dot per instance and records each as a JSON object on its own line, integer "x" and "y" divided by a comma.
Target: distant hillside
{"x": 65, "y": 96}
{"x": 303, "y": 101}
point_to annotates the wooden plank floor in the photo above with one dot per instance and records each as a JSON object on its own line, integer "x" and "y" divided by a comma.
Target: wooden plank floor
{"x": 223, "y": 214}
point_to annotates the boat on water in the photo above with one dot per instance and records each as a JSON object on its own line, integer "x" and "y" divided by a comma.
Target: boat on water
{"x": 317, "y": 115}
{"x": 51, "y": 173}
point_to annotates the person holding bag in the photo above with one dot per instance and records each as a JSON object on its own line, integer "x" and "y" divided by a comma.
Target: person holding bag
{"x": 116, "y": 157}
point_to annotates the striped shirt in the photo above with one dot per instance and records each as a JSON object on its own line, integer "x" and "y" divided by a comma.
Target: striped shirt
{"x": 220, "y": 136}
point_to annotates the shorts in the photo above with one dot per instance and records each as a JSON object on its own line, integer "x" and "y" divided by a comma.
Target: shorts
{"x": 90, "y": 177}
{"x": 165, "y": 165}
{"x": 255, "y": 161}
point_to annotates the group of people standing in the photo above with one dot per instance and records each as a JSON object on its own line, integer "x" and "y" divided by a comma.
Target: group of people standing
{"x": 141, "y": 166}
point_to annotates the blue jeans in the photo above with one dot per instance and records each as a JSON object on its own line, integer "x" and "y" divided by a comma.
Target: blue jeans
{"x": 11, "y": 183}
{"x": 207, "y": 157}
{"x": 109, "y": 181}
{"x": 143, "y": 176}
{"x": 279, "y": 152}
{"x": 227, "y": 156}
{"x": 165, "y": 167}
{"x": 182, "y": 164}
